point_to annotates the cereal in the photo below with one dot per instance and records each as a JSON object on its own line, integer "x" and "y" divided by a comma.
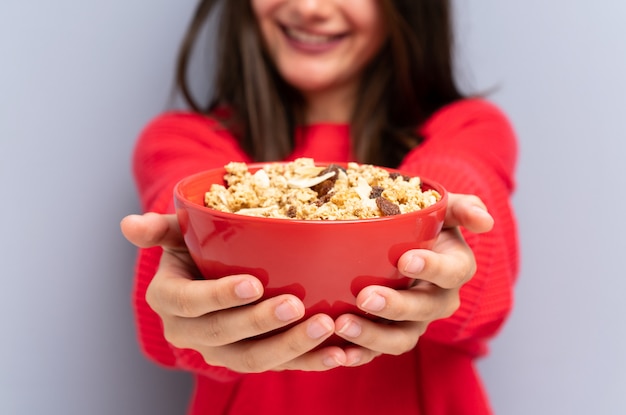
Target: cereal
{"x": 302, "y": 190}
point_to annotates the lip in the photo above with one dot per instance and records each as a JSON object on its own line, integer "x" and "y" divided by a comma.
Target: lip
{"x": 311, "y": 42}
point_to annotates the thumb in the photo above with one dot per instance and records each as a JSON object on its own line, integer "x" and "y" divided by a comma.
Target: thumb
{"x": 468, "y": 211}
{"x": 152, "y": 229}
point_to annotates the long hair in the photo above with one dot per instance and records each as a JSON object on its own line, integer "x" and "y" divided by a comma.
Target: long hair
{"x": 411, "y": 77}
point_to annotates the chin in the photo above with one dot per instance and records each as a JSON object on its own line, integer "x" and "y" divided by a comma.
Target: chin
{"x": 309, "y": 84}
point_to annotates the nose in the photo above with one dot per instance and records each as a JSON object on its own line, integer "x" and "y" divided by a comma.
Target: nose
{"x": 312, "y": 9}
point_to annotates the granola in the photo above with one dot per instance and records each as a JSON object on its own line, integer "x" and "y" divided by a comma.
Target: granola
{"x": 303, "y": 190}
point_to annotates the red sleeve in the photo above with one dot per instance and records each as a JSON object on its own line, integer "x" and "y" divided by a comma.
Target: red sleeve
{"x": 470, "y": 147}
{"x": 171, "y": 147}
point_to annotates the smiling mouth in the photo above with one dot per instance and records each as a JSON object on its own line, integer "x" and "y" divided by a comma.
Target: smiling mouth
{"x": 308, "y": 38}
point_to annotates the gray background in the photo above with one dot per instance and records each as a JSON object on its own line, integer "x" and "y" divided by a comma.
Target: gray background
{"x": 79, "y": 80}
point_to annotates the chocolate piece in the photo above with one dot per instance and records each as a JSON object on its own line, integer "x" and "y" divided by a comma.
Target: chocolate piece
{"x": 395, "y": 175}
{"x": 324, "y": 199}
{"x": 327, "y": 185}
{"x": 291, "y": 212}
{"x": 386, "y": 207}
{"x": 376, "y": 192}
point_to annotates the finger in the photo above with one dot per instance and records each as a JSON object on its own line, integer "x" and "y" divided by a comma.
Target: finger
{"x": 449, "y": 264}
{"x": 331, "y": 357}
{"x": 377, "y": 337}
{"x": 284, "y": 349}
{"x": 468, "y": 211}
{"x": 152, "y": 229}
{"x": 424, "y": 302}
{"x": 173, "y": 290}
{"x": 235, "y": 324}
{"x": 317, "y": 360}
{"x": 358, "y": 356}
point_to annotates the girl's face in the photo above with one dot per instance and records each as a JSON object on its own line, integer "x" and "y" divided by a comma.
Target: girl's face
{"x": 320, "y": 45}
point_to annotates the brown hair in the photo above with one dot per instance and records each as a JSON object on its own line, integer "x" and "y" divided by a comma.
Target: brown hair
{"x": 410, "y": 78}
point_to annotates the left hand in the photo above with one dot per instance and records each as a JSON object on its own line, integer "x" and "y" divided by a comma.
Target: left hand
{"x": 439, "y": 275}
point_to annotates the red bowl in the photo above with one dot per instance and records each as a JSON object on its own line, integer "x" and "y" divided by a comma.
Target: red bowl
{"x": 324, "y": 263}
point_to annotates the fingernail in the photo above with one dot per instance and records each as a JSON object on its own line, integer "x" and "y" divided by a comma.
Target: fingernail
{"x": 246, "y": 289}
{"x": 481, "y": 211}
{"x": 331, "y": 361}
{"x": 415, "y": 265}
{"x": 287, "y": 311}
{"x": 318, "y": 328}
{"x": 356, "y": 359}
{"x": 375, "y": 302}
{"x": 350, "y": 329}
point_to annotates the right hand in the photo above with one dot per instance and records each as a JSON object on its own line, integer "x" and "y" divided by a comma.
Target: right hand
{"x": 217, "y": 317}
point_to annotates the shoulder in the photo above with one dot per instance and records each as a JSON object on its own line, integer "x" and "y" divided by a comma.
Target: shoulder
{"x": 466, "y": 113}
{"x": 472, "y": 126}
{"x": 178, "y": 135}
{"x": 185, "y": 128}
{"x": 471, "y": 131}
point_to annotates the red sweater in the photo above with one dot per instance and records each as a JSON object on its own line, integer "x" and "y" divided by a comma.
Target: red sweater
{"x": 469, "y": 147}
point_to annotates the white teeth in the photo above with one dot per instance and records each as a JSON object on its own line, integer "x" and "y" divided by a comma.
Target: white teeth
{"x": 306, "y": 37}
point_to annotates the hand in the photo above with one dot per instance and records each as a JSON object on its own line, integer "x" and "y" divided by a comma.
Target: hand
{"x": 439, "y": 275}
{"x": 217, "y": 318}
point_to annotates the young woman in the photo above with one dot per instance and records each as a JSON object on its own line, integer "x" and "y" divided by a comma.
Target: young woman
{"x": 364, "y": 80}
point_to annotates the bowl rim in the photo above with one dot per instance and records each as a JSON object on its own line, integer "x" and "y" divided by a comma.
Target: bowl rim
{"x": 178, "y": 196}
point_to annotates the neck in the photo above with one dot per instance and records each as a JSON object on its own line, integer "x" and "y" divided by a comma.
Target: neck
{"x": 330, "y": 106}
